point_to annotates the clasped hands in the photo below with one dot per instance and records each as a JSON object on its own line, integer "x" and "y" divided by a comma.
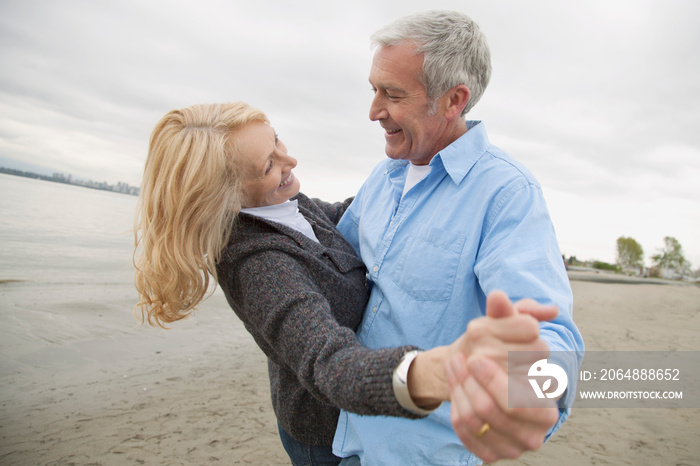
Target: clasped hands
{"x": 478, "y": 383}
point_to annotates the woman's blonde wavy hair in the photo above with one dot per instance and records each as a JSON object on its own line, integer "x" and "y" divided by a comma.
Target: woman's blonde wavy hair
{"x": 190, "y": 196}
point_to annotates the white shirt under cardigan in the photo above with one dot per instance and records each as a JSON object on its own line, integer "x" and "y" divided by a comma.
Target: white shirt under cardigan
{"x": 287, "y": 214}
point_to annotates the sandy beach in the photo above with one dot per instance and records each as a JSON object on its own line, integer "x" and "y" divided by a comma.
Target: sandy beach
{"x": 81, "y": 383}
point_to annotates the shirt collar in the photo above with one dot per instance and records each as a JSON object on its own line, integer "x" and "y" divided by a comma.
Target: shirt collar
{"x": 274, "y": 212}
{"x": 459, "y": 157}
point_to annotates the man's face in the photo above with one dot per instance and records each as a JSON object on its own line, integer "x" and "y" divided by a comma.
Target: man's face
{"x": 413, "y": 124}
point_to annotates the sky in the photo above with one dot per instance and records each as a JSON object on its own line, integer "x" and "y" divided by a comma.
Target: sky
{"x": 600, "y": 99}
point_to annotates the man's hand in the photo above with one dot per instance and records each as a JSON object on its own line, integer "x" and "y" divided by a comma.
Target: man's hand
{"x": 506, "y": 327}
{"x": 479, "y": 385}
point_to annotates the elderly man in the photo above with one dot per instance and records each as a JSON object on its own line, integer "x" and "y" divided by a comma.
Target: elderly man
{"x": 443, "y": 223}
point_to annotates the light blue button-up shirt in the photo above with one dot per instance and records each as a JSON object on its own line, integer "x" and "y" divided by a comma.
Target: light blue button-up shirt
{"x": 476, "y": 223}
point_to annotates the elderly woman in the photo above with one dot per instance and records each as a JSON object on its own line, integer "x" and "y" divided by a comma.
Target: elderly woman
{"x": 219, "y": 199}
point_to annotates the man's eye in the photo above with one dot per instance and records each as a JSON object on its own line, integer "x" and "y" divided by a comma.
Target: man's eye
{"x": 269, "y": 168}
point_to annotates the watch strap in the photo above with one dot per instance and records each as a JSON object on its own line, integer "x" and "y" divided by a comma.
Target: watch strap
{"x": 400, "y": 383}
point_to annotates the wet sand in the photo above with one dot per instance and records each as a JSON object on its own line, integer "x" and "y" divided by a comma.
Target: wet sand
{"x": 81, "y": 383}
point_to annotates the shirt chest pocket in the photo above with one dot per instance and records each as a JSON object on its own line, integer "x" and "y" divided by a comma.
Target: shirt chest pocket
{"x": 426, "y": 268}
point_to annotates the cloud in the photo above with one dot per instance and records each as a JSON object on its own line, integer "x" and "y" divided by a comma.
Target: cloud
{"x": 599, "y": 99}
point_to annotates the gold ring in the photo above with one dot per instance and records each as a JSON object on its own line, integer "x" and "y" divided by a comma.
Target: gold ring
{"x": 484, "y": 429}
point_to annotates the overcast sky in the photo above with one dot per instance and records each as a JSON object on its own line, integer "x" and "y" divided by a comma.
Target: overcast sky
{"x": 600, "y": 99}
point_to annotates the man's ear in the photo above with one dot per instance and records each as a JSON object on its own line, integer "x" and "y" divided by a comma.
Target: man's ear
{"x": 457, "y": 98}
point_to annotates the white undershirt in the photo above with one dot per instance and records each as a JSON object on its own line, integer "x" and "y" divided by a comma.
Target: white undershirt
{"x": 414, "y": 175}
{"x": 286, "y": 214}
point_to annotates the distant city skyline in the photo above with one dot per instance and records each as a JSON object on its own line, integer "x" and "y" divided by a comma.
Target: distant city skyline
{"x": 118, "y": 187}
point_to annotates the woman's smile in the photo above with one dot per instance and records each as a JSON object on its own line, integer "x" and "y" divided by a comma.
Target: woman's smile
{"x": 289, "y": 179}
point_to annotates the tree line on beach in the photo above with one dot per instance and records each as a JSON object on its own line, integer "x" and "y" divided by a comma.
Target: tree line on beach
{"x": 669, "y": 261}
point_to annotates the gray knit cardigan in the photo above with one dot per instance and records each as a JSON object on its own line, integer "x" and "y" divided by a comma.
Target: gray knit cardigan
{"x": 302, "y": 302}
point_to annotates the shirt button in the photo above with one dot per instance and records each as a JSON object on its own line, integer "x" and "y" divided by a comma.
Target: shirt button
{"x": 375, "y": 268}
{"x": 374, "y": 309}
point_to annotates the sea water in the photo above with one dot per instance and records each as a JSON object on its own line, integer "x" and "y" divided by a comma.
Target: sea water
{"x": 55, "y": 233}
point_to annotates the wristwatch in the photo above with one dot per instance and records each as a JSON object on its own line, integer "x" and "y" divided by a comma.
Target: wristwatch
{"x": 400, "y": 383}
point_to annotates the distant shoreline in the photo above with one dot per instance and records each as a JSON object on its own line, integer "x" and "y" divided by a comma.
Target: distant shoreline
{"x": 120, "y": 187}
{"x": 614, "y": 278}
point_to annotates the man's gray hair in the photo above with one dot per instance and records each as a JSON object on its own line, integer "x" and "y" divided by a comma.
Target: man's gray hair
{"x": 455, "y": 50}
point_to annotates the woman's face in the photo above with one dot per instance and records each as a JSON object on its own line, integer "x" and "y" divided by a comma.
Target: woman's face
{"x": 269, "y": 174}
